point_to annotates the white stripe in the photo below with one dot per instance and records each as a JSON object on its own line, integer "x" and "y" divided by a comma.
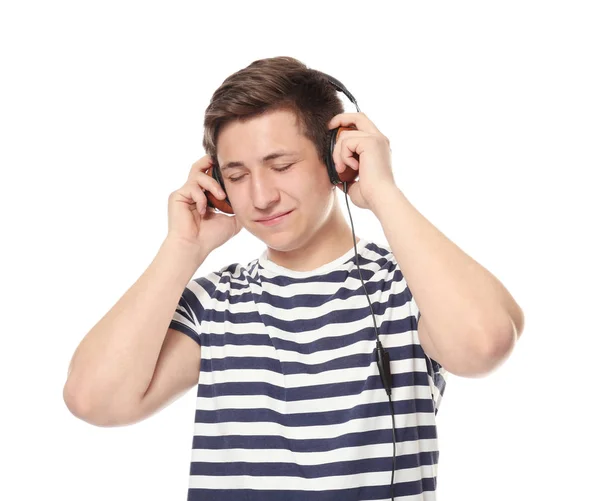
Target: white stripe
{"x": 294, "y": 283}
{"x": 303, "y": 380}
{"x": 308, "y": 336}
{"x": 313, "y": 458}
{"x": 291, "y": 289}
{"x": 324, "y": 289}
{"x": 183, "y": 320}
{"x": 398, "y": 339}
{"x": 256, "y": 428}
{"x": 311, "y": 484}
{"x": 220, "y": 352}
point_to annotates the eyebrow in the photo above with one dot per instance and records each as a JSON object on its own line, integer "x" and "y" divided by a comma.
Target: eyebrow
{"x": 265, "y": 159}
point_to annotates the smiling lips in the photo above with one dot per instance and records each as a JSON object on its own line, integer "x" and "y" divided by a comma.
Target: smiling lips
{"x": 274, "y": 219}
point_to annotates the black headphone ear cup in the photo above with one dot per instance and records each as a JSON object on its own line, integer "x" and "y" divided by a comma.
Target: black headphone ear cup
{"x": 215, "y": 203}
{"x": 333, "y": 175}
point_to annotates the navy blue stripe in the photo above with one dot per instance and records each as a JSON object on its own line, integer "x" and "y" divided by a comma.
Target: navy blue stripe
{"x": 362, "y": 411}
{"x": 239, "y": 363}
{"x": 363, "y": 493}
{"x": 333, "y": 317}
{"x": 322, "y": 344}
{"x": 193, "y": 302}
{"x": 356, "y": 439}
{"x": 313, "y": 299}
{"x": 353, "y": 361}
{"x": 178, "y": 326}
{"x": 353, "y": 467}
{"x": 312, "y": 392}
{"x": 248, "y": 296}
{"x": 208, "y": 285}
{"x": 327, "y": 318}
{"x": 229, "y": 269}
{"x": 184, "y": 309}
{"x": 394, "y": 327}
{"x": 337, "y": 275}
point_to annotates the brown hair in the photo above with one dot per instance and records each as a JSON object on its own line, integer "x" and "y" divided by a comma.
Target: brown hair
{"x": 277, "y": 83}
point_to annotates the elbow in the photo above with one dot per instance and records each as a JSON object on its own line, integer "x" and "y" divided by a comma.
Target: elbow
{"x": 492, "y": 356}
{"x": 82, "y": 406}
{"x": 76, "y": 404}
{"x": 480, "y": 354}
{"x": 496, "y": 347}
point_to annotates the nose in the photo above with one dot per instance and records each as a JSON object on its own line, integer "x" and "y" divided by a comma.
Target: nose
{"x": 264, "y": 191}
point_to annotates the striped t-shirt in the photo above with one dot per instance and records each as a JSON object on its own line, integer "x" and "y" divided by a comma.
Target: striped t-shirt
{"x": 290, "y": 405}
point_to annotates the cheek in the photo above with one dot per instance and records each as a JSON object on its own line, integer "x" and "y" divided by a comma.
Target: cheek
{"x": 310, "y": 195}
{"x": 317, "y": 200}
{"x": 312, "y": 183}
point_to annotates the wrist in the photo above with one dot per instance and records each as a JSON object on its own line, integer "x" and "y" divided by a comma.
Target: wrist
{"x": 385, "y": 199}
{"x": 184, "y": 250}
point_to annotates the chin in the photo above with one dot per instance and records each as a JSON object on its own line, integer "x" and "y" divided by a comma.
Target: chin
{"x": 282, "y": 241}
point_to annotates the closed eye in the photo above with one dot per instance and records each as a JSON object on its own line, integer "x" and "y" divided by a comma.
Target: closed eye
{"x": 281, "y": 169}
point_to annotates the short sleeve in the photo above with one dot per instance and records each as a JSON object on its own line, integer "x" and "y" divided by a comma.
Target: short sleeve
{"x": 191, "y": 307}
{"x": 437, "y": 373}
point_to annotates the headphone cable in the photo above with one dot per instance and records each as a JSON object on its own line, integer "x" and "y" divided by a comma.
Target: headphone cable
{"x": 383, "y": 357}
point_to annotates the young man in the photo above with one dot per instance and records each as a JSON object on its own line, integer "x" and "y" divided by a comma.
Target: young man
{"x": 290, "y": 402}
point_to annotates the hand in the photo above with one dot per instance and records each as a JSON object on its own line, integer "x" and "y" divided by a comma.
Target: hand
{"x": 374, "y": 162}
{"x": 190, "y": 220}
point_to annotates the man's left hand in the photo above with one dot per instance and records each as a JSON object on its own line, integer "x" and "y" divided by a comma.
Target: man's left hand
{"x": 374, "y": 161}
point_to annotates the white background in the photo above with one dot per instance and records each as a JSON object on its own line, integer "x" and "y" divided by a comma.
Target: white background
{"x": 493, "y": 115}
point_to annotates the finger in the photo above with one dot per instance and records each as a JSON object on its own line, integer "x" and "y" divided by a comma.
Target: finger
{"x": 360, "y": 120}
{"x": 352, "y": 162}
{"x": 215, "y": 187}
{"x": 335, "y": 155}
{"x": 200, "y": 198}
{"x": 348, "y": 153}
{"x": 343, "y": 154}
{"x": 201, "y": 165}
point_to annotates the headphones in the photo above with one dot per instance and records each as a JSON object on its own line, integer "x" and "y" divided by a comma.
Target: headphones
{"x": 382, "y": 356}
{"x": 336, "y": 178}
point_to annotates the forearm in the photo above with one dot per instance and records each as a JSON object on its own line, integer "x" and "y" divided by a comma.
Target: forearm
{"x": 115, "y": 362}
{"x": 464, "y": 305}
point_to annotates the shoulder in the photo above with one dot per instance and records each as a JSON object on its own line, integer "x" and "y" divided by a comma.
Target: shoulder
{"x": 381, "y": 256}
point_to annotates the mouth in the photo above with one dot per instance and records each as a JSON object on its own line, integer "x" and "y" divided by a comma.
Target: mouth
{"x": 274, "y": 219}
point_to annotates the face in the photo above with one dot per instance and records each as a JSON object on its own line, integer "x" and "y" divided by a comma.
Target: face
{"x": 260, "y": 186}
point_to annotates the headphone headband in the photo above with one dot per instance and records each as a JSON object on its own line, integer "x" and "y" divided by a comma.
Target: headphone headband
{"x": 339, "y": 86}
{"x": 347, "y": 176}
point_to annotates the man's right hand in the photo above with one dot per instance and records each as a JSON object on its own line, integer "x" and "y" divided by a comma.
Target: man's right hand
{"x": 191, "y": 220}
